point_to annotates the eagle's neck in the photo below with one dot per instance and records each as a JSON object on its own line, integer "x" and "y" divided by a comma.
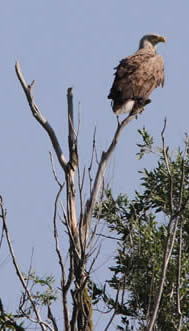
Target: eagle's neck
{"x": 147, "y": 45}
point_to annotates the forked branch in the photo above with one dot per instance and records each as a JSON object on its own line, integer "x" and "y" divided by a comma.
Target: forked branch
{"x": 40, "y": 118}
{"x": 68, "y": 167}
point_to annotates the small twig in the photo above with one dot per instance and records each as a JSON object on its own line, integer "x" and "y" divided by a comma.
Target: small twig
{"x": 69, "y": 230}
{"x": 80, "y": 186}
{"x": 167, "y": 166}
{"x": 93, "y": 262}
{"x": 114, "y": 313}
{"x": 164, "y": 147}
{"x": 23, "y": 298}
{"x": 65, "y": 222}
{"x": 91, "y": 162}
{"x": 94, "y": 231}
{"x": 60, "y": 260}
{"x": 2, "y": 235}
{"x": 54, "y": 171}
{"x": 107, "y": 237}
{"x": 123, "y": 291}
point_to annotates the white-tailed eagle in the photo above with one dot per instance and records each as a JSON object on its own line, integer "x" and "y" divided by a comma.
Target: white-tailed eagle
{"x": 137, "y": 76}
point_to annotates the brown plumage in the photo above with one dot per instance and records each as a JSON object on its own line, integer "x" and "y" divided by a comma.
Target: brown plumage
{"x": 137, "y": 76}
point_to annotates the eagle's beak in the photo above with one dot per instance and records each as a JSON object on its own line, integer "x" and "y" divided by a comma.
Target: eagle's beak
{"x": 161, "y": 39}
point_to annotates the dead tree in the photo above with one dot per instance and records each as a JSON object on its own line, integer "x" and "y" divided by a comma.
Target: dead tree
{"x": 78, "y": 226}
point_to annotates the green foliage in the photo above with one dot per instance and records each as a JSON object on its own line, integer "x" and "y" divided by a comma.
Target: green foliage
{"x": 8, "y": 321}
{"x": 48, "y": 295}
{"x": 41, "y": 298}
{"x": 146, "y": 147}
{"x": 142, "y": 229}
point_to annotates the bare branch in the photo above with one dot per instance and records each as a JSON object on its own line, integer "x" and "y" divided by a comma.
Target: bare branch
{"x": 54, "y": 171}
{"x": 42, "y": 324}
{"x": 52, "y": 319}
{"x": 40, "y": 118}
{"x": 101, "y": 169}
{"x": 108, "y": 237}
{"x": 68, "y": 167}
{"x": 2, "y": 235}
{"x": 92, "y": 158}
{"x": 72, "y": 138}
{"x": 114, "y": 313}
{"x": 60, "y": 260}
{"x": 80, "y": 186}
{"x": 167, "y": 166}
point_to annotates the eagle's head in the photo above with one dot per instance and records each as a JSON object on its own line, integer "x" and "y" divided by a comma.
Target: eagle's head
{"x": 150, "y": 41}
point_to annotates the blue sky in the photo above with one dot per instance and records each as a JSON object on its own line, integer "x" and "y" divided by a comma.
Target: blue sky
{"x": 77, "y": 43}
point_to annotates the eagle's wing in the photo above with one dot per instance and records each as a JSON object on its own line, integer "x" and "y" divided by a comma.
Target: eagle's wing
{"x": 136, "y": 77}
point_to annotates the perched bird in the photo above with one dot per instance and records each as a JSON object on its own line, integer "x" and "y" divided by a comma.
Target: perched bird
{"x": 137, "y": 76}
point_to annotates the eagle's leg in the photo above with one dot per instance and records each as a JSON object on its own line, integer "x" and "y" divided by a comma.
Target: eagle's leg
{"x": 140, "y": 103}
{"x": 118, "y": 121}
